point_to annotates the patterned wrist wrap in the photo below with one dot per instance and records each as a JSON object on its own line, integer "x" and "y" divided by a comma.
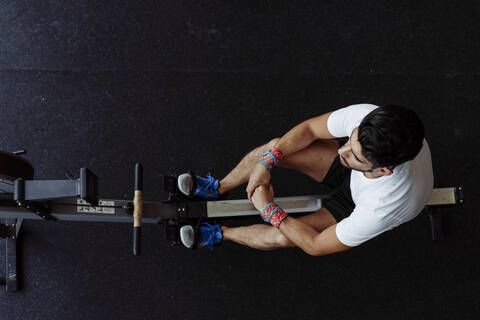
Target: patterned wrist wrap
{"x": 273, "y": 214}
{"x": 270, "y": 158}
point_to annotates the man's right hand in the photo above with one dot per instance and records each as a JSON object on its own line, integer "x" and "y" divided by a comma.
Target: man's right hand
{"x": 259, "y": 176}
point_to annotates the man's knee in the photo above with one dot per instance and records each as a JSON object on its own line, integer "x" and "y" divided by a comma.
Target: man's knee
{"x": 281, "y": 241}
{"x": 256, "y": 153}
{"x": 272, "y": 143}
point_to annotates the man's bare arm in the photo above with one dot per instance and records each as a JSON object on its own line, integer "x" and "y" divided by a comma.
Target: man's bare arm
{"x": 304, "y": 134}
{"x": 294, "y": 140}
{"x": 300, "y": 233}
{"x": 309, "y": 240}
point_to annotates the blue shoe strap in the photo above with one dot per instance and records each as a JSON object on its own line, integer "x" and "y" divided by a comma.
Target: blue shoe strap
{"x": 210, "y": 182}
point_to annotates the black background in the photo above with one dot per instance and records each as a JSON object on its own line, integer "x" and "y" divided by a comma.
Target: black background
{"x": 182, "y": 85}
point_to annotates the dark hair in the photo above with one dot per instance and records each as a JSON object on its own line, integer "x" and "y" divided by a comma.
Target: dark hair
{"x": 390, "y": 135}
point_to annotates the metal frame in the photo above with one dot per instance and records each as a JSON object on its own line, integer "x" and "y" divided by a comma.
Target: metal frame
{"x": 68, "y": 200}
{"x": 9, "y": 231}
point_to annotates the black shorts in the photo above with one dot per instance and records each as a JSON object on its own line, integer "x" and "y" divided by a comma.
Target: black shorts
{"x": 337, "y": 180}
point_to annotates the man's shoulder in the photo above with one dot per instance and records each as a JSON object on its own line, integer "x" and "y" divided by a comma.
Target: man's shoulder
{"x": 342, "y": 122}
{"x": 362, "y": 107}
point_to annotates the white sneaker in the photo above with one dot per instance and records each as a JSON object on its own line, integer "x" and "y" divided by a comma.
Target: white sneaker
{"x": 187, "y": 236}
{"x": 185, "y": 183}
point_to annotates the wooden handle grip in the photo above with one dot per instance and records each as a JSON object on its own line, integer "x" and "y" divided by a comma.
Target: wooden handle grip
{"x": 137, "y": 210}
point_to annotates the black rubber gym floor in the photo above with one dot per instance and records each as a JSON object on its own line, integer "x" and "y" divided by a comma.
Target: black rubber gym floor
{"x": 180, "y": 85}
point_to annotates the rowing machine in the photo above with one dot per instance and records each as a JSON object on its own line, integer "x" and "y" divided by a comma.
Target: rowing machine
{"x": 22, "y": 197}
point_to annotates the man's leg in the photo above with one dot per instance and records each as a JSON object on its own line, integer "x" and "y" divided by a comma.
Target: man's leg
{"x": 265, "y": 237}
{"x": 314, "y": 161}
{"x": 241, "y": 173}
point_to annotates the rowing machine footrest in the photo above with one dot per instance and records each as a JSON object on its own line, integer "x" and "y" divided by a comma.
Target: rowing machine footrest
{"x": 172, "y": 233}
{"x": 170, "y": 183}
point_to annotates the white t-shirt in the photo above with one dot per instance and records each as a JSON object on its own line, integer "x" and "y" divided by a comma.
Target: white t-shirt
{"x": 383, "y": 203}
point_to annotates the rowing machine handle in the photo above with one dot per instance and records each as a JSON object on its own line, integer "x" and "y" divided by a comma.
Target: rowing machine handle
{"x": 137, "y": 210}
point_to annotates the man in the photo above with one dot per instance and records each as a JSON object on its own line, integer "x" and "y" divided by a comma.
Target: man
{"x": 380, "y": 178}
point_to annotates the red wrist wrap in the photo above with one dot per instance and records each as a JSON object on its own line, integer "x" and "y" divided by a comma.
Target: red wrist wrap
{"x": 277, "y": 153}
{"x": 277, "y": 217}
{"x": 270, "y": 158}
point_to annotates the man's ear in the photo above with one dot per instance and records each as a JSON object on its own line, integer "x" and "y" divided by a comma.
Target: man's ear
{"x": 386, "y": 171}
